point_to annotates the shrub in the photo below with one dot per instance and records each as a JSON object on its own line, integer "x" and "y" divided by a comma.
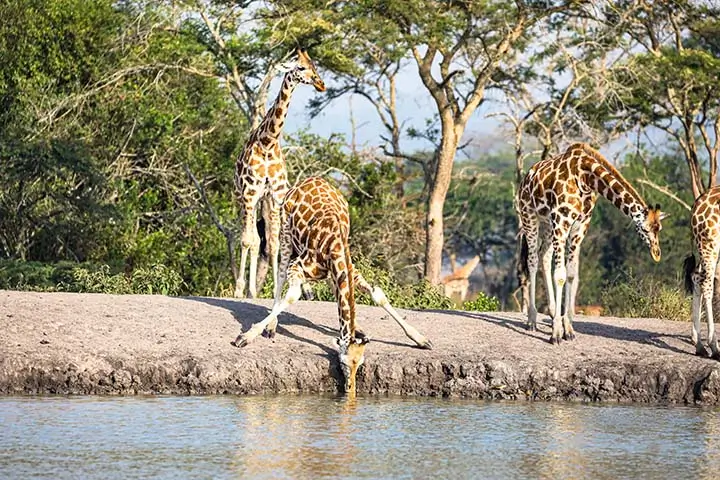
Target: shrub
{"x": 631, "y": 296}
{"x": 88, "y": 278}
{"x": 483, "y": 303}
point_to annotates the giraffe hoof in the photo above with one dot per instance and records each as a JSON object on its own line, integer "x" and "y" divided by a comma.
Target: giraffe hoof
{"x": 701, "y": 351}
{"x": 569, "y": 336}
{"x": 426, "y": 345}
{"x": 531, "y": 326}
{"x": 555, "y": 340}
{"x": 239, "y": 342}
{"x": 270, "y": 334}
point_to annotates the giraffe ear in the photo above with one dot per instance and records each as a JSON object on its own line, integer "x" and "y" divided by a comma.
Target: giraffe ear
{"x": 663, "y": 216}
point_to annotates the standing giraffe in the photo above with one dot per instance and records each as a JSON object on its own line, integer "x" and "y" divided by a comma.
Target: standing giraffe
{"x": 557, "y": 198}
{"x": 260, "y": 173}
{"x": 314, "y": 246}
{"x": 700, "y": 278}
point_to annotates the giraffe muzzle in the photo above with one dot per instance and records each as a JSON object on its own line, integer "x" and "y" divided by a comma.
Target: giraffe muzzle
{"x": 319, "y": 85}
{"x": 655, "y": 253}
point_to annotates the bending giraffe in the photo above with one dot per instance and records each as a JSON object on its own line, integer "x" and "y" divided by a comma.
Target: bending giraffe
{"x": 314, "y": 246}
{"x": 260, "y": 174}
{"x": 700, "y": 276}
{"x": 556, "y": 200}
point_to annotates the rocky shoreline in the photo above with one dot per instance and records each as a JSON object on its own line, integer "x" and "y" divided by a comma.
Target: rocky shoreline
{"x": 83, "y": 344}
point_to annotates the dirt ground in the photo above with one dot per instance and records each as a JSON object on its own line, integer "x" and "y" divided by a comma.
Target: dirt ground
{"x": 65, "y": 343}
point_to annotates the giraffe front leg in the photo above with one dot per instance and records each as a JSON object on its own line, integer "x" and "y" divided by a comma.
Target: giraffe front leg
{"x": 573, "y": 272}
{"x": 381, "y": 300}
{"x": 546, "y": 257}
{"x": 560, "y": 278}
{"x": 570, "y": 293}
{"x": 296, "y": 277}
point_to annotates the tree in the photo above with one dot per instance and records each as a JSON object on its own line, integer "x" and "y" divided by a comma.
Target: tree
{"x": 460, "y": 49}
{"x": 668, "y": 80}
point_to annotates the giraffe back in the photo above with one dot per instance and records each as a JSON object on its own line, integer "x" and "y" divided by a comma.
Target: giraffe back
{"x": 318, "y": 218}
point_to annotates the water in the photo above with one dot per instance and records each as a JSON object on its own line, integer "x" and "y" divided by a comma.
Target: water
{"x": 313, "y": 437}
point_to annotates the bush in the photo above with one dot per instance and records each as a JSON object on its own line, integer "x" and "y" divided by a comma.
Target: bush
{"x": 483, "y": 303}
{"x": 630, "y": 296}
{"x": 88, "y": 278}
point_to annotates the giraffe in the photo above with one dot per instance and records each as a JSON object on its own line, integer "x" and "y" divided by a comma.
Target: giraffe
{"x": 556, "y": 199}
{"x": 700, "y": 277}
{"x": 260, "y": 173}
{"x": 314, "y": 246}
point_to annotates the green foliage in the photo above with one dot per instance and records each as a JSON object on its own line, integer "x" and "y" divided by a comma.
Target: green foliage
{"x": 638, "y": 296}
{"x": 483, "y": 303}
{"x": 35, "y": 276}
{"x": 153, "y": 280}
{"x": 89, "y": 278}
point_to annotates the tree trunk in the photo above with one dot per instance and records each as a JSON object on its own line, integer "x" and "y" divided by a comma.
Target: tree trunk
{"x": 434, "y": 228}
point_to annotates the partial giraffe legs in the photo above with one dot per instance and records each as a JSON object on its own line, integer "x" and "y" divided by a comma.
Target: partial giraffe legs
{"x": 704, "y": 287}
{"x": 296, "y": 279}
{"x": 546, "y": 255}
{"x": 559, "y": 280}
{"x": 250, "y": 243}
{"x": 577, "y": 234}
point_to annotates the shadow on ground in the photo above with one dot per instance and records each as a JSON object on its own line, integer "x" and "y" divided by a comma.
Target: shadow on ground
{"x": 582, "y": 327}
{"x": 246, "y": 314}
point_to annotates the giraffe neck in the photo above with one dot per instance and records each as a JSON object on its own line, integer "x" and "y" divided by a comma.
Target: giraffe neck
{"x": 608, "y": 182}
{"x": 274, "y": 120}
{"x": 343, "y": 277}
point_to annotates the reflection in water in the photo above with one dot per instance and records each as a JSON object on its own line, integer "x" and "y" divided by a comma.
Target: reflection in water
{"x": 316, "y": 437}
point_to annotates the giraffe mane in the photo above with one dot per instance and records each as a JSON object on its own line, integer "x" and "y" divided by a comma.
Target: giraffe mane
{"x": 611, "y": 168}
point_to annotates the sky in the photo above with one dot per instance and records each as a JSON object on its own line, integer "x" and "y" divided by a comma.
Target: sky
{"x": 414, "y": 106}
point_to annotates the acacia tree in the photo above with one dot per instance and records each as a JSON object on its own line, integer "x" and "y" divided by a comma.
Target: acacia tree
{"x": 670, "y": 81}
{"x": 459, "y": 49}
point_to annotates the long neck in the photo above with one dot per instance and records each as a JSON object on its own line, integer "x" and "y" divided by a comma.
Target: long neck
{"x": 609, "y": 183}
{"x": 272, "y": 124}
{"x": 345, "y": 289}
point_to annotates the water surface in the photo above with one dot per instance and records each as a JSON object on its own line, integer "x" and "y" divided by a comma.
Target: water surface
{"x": 314, "y": 437}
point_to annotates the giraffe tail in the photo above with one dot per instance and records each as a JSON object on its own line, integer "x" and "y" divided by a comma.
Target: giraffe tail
{"x": 689, "y": 266}
{"x": 524, "y": 252}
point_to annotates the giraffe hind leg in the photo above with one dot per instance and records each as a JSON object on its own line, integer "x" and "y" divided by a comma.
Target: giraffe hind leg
{"x": 697, "y": 313}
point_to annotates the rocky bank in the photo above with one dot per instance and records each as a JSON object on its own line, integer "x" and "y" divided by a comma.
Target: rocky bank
{"x": 65, "y": 343}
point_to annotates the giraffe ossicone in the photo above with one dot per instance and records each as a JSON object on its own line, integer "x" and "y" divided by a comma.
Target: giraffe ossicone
{"x": 555, "y": 202}
{"x": 261, "y": 176}
{"x": 315, "y": 245}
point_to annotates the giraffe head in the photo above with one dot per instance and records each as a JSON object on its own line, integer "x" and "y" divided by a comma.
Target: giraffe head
{"x": 303, "y": 70}
{"x": 649, "y": 229}
{"x": 352, "y": 356}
